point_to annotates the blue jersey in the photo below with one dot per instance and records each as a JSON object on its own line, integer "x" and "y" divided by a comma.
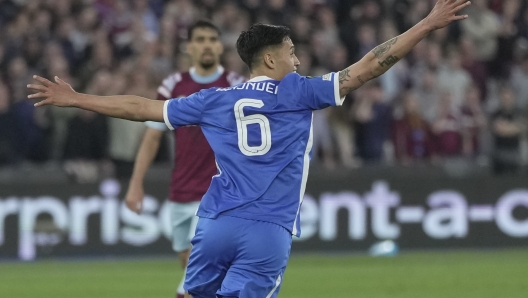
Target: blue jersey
{"x": 261, "y": 135}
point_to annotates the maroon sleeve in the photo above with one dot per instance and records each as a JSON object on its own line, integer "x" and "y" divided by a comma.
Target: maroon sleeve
{"x": 161, "y": 97}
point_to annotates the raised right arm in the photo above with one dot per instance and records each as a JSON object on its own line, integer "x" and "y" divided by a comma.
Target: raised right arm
{"x": 384, "y": 56}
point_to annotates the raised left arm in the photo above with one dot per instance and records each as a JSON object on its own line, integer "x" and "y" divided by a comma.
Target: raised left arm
{"x": 128, "y": 107}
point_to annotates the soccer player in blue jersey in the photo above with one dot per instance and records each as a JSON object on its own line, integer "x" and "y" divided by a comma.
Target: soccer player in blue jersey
{"x": 261, "y": 134}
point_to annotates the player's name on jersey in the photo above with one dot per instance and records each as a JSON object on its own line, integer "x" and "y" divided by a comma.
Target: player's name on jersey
{"x": 268, "y": 87}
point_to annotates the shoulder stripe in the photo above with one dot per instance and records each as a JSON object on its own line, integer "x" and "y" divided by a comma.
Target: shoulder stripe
{"x": 162, "y": 90}
{"x": 169, "y": 83}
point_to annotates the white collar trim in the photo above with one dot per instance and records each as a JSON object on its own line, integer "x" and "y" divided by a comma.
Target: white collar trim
{"x": 260, "y": 79}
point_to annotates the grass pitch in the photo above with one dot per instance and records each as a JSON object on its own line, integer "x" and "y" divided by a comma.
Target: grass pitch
{"x": 495, "y": 274}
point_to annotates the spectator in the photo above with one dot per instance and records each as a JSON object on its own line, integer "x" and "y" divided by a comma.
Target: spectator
{"x": 360, "y": 13}
{"x": 232, "y": 61}
{"x": 301, "y": 30}
{"x": 305, "y": 7}
{"x": 523, "y": 20}
{"x": 32, "y": 52}
{"x": 339, "y": 119}
{"x": 433, "y": 62}
{"x": 120, "y": 28}
{"x": 149, "y": 18}
{"x": 86, "y": 25}
{"x": 476, "y": 69}
{"x": 60, "y": 8}
{"x": 101, "y": 59}
{"x": 454, "y": 79}
{"x": 367, "y": 40}
{"x": 337, "y": 59}
{"x": 57, "y": 66}
{"x": 252, "y": 7}
{"x": 407, "y": 13}
{"x": 8, "y": 152}
{"x": 447, "y": 128}
{"x": 8, "y": 11}
{"x": 507, "y": 127}
{"x": 396, "y": 78}
{"x": 411, "y": 134}
{"x": 473, "y": 122}
{"x": 341, "y": 124}
{"x": 125, "y": 136}
{"x": 428, "y": 95}
{"x": 328, "y": 27}
{"x": 482, "y": 28}
{"x": 323, "y": 144}
{"x": 3, "y": 60}
{"x": 32, "y": 125}
{"x": 519, "y": 82}
{"x": 506, "y": 40}
{"x": 42, "y": 23}
{"x": 372, "y": 118}
{"x": 65, "y": 33}
{"x": 87, "y": 137}
{"x": 277, "y": 11}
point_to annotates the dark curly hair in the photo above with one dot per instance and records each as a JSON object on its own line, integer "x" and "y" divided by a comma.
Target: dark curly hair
{"x": 258, "y": 37}
{"x": 202, "y": 24}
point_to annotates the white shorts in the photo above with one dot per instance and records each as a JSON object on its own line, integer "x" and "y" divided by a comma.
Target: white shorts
{"x": 183, "y": 220}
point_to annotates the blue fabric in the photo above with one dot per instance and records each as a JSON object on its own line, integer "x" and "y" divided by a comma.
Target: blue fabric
{"x": 261, "y": 134}
{"x": 235, "y": 257}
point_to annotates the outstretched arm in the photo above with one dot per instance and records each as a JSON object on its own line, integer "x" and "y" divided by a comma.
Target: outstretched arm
{"x": 384, "y": 56}
{"x": 128, "y": 107}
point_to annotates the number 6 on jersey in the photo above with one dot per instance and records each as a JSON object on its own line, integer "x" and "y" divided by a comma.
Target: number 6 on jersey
{"x": 242, "y": 127}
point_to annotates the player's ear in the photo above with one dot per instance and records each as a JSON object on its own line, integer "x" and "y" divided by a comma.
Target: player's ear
{"x": 269, "y": 60}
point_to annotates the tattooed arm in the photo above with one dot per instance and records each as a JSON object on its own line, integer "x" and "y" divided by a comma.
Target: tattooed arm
{"x": 384, "y": 56}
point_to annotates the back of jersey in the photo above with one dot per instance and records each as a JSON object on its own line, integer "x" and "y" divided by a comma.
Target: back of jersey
{"x": 261, "y": 134}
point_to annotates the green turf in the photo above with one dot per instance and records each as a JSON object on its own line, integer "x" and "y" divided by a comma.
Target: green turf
{"x": 418, "y": 275}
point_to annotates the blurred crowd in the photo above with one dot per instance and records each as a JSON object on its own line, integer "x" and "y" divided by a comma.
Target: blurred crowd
{"x": 462, "y": 94}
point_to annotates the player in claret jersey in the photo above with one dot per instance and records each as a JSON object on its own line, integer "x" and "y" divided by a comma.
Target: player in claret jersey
{"x": 261, "y": 134}
{"x": 194, "y": 159}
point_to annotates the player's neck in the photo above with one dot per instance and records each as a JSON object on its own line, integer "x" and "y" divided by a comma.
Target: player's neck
{"x": 205, "y": 72}
{"x": 264, "y": 73}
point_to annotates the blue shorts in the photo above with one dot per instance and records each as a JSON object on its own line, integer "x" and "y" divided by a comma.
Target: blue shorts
{"x": 235, "y": 257}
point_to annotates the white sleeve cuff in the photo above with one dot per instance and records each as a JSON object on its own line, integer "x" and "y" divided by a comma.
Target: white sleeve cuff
{"x": 156, "y": 125}
{"x": 166, "y": 114}
{"x": 338, "y": 100}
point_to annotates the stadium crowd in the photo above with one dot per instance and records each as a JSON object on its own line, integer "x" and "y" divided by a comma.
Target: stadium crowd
{"x": 461, "y": 95}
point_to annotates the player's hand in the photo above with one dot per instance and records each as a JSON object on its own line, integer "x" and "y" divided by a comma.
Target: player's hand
{"x": 134, "y": 197}
{"x": 59, "y": 94}
{"x": 445, "y": 12}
